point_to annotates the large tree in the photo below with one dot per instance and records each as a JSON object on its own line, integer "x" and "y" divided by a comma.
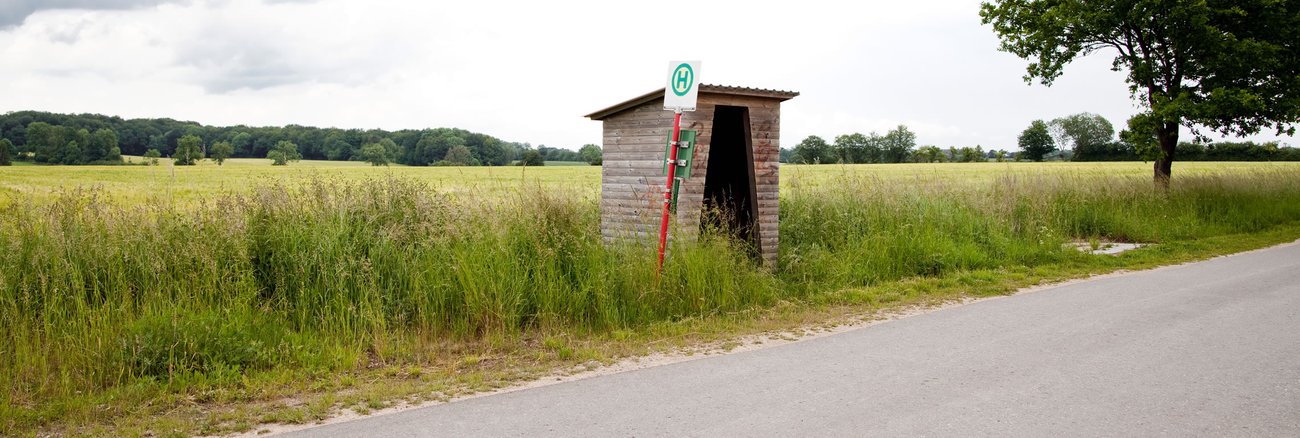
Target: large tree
{"x": 532, "y": 158}
{"x": 76, "y": 151}
{"x": 6, "y": 148}
{"x": 189, "y": 150}
{"x": 928, "y": 154}
{"x": 814, "y": 150}
{"x": 1230, "y": 66}
{"x": 336, "y": 148}
{"x": 433, "y": 146}
{"x": 858, "y": 148}
{"x": 220, "y": 151}
{"x": 46, "y": 141}
{"x": 243, "y": 143}
{"x": 392, "y": 150}
{"x": 100, "y": 143}
{"x": 374, "y": 154}
{"x": 283, "y": 152}
{"x": 591, "y": 154}
{"x": 72, "y": 153}
{"x": 105, "y": 145}
{"x": 1083, "y": 133}
{"x": 496, "y": 153}
{"x": 459, "y": 155}
{"x": 1036, "y": 141}
{"x": 896, "y": 146}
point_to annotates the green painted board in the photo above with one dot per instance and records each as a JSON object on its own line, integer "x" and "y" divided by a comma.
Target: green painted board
{"x": 685, "y": 153}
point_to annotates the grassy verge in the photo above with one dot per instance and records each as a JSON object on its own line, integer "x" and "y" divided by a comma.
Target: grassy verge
{"x": 292, "y": 302}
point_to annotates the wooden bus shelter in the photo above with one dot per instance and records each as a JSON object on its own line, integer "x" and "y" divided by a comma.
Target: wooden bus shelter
{"x": 733, "y": 180}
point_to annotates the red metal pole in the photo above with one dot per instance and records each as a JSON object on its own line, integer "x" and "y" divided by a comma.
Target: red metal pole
{"x": 668, "y": 192}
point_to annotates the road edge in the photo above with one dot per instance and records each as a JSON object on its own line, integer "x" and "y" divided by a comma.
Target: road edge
{"x": 740, "y": 344}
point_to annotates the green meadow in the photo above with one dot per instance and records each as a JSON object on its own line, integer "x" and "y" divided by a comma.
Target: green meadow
{"x": 161, "y": 300}
{"x": 184, "y": 184}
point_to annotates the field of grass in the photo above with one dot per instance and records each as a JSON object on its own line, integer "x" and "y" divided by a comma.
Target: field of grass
{"x": 184, "y": 184}
{"x": 198, "y": 299}
{"x": 165, "y": 183}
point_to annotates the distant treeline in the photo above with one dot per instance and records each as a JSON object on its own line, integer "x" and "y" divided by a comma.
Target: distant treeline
{"x": 898, "y": 145}
{"x": 1191, "y": 151}
{"x": 89, "y": 138}
{"x": 893, "y": 147}
{"x": 1078, "y": 137}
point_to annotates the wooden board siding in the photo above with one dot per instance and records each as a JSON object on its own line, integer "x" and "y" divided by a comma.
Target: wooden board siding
{"x": 632, "y": 179}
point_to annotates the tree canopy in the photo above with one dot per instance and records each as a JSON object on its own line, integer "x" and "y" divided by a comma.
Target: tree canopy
{"x": 459, "y": 155}
{"x": 151, "y": 157}
{"x": 1036, "y": 141}
{"x": 896, "y": 146}
{"x": 6, "y": 149}
{"x": 1083, "y": 133}
{"x": 283, "y": 153}
{"x": 220, "y": 151}
{"x": 1232, "y": 67}
{"x": 135, "y": 136}
{"x": 814, "y": 150}
{"x": 858, "y": 148}
{"x": 532, "y": 158}
{"x": 57, "y": 144}
{"x": 591, "y": 154}
{"x": 374, "y": 154}
{"x": 189, "y": 150}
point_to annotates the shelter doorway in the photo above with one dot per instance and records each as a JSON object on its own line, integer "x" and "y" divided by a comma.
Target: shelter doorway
{"x": 730, "y": 196}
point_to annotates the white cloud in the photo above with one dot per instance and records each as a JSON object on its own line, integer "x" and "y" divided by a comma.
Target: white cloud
{"x": 528, "y": 71}
{"x": 13, "y": 12}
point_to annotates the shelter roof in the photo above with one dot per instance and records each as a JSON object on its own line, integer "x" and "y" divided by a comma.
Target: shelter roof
{"x": 704, "y": 88}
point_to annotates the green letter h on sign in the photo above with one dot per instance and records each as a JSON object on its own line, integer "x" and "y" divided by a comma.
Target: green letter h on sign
{"x": 683, "y": 80}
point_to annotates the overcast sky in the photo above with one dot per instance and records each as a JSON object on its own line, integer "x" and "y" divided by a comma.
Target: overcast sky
{"x": 528, "y": 71}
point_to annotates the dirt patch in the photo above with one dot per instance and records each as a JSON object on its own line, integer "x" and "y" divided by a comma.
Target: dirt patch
{"x": 1105, "y": 248}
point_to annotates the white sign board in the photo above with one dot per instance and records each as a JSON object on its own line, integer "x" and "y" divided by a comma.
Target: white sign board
{"x": 683, "y": 85}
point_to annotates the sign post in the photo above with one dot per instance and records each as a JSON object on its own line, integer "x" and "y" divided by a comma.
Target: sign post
{"x": 679, "y": 95}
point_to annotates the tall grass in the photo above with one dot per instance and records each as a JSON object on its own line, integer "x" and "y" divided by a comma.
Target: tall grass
{"x": 95, "y": 295}
{"x": 868, "y": 230}
{"x": 327, "y": 275}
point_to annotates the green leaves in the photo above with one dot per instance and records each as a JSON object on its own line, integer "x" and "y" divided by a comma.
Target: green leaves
{"x": 6, "y": 149}
{"x": 283, "y": 153}
{"x": 1036, "y": 141}
{"x": 592, "y": 154}
{"x": 189, "y": 150}
{"x": 220, "y": 151}
{"x": 1141, "y": 134}
{"x": 814, "y": 150}
{"x": 374, "y": 154}
{"x": 1082, "y": 133}
{"x": 1230, "y": 66}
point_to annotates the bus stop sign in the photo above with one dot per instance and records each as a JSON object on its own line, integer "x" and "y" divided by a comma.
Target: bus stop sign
{"x": 683, "y": 85}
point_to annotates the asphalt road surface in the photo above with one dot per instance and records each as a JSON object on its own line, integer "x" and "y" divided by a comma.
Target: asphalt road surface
{"x": 1208, "y": 349}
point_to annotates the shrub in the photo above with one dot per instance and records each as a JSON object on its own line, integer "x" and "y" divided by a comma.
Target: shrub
{"x": 178, "y": 342}
{"x": 531, "y": 158}
{"x": 189, "y": 150}
{"x": 283, "y": 152}
{"x": 151, "y": 157}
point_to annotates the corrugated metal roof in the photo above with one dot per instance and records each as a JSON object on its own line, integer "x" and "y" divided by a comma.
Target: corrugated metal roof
{"x": 704, "y": 88}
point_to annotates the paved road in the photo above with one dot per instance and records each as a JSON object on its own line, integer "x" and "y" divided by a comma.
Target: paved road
{"x": 1210, "y": 349}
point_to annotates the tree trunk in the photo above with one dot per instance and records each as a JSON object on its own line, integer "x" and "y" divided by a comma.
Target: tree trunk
{"x": 1167, "y": 135}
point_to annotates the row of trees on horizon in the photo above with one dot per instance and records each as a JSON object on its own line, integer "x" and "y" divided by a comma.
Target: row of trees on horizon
{"x": 1078, "y": 137}
{"x": 97, "y": 139}
{"x": 92, "y": 138}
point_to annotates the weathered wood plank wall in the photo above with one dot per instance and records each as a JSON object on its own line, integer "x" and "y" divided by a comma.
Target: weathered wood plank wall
{"x": 632, "y": 179}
